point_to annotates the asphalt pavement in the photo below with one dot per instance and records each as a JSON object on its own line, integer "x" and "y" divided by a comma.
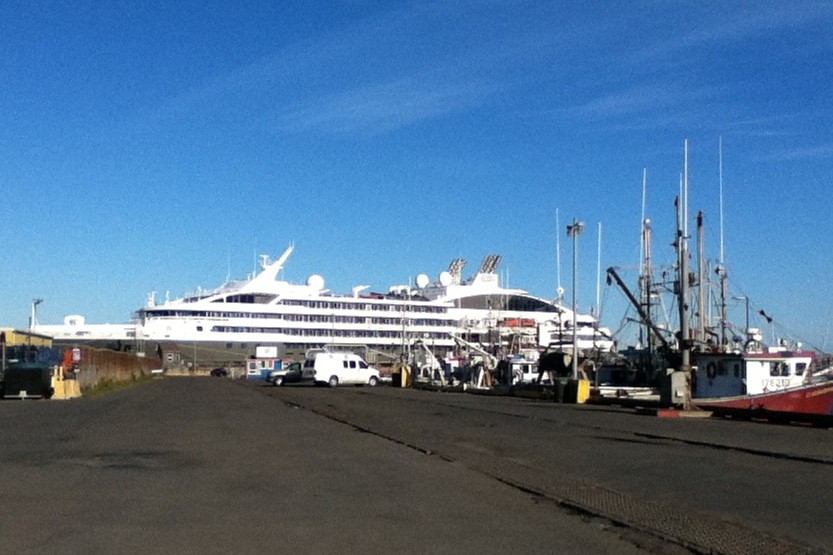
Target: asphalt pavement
{"x": 212, "y": 465}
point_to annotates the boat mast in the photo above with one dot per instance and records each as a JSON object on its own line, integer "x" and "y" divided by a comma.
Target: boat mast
{"x": 646, "y": 281}
{"x": 645, "y": 269}
{"x": 644, "y": 200}
{"x": 559, "y": 292}
{"x": 721, "y": 269}
{"x": 701, "y": 277}
{"x": 599, "y": 274}
{"x": 720, "y": 179}
{"x": 682, "y": 247}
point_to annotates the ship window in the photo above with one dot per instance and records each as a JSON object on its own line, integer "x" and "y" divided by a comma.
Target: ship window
{"x": 199, "y": 328}
{"x": 779, "y": 369}
{"x": 800, "y": 368}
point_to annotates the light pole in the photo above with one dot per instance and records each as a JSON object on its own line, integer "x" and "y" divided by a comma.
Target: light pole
{"x": 573, "y": 231}
{"x": 34, "y": 319}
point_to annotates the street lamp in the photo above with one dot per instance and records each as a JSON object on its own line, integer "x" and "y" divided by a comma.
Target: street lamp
{"x": 573, "y": 231}
{"x": 34, "y": 319}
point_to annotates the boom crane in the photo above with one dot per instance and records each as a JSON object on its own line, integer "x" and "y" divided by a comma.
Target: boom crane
{"x": 611, "y": 273}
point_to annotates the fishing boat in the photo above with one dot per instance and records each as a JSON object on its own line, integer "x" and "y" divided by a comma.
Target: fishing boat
{"x": 773, "y": 382}
{"x": 704, "y": 367}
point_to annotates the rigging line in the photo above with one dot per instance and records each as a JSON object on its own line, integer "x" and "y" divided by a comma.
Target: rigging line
{"x": 603, "y": 303}
{"x": 776, "y": 324}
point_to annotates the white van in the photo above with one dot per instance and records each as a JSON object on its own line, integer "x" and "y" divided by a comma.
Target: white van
{"x": 339, "y": 368}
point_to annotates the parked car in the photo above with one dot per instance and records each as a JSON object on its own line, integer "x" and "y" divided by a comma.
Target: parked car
{"x": 219, "y": 372}
{"x": 336, "y": 368}
{"x": 291, "y": 373}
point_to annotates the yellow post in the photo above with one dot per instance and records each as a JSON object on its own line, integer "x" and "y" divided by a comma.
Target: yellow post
{"x": 583, "y": 392}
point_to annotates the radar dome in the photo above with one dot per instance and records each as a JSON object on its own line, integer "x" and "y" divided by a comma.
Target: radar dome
{"x": 445, "y": 279}
{"x": 422, "y": 281}
{"x": 315, "y": 282}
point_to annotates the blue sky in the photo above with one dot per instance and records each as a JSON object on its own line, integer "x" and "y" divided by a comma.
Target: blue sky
{"x": 159, "y": 146}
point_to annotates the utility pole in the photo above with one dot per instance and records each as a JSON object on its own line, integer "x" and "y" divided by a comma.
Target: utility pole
{"x": 573, "y": 231}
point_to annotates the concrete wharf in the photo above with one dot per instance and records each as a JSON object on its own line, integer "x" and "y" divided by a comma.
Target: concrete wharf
{"x": 197, "y": 464}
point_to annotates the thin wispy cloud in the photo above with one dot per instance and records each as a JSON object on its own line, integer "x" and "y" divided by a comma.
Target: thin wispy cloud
{"x": 737, "y": 27}
{"x": 383, "y": 107}
{"x": 394, "y": 93}
{"x": 824, "y": 151}
{"x": 643, "y": 99}
{"x": 273, "y": 74}
{"x": 773, "y": 125}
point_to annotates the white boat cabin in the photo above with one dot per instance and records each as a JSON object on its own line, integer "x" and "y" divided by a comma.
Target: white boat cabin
{"x": 756, "y": 373}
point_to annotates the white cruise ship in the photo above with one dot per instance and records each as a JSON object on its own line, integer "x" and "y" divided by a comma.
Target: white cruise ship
{"x": 226, "y": 325}
{"x": 490, "y": 314}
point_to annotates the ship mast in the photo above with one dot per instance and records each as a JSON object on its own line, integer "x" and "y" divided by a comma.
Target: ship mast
{"x": 599, "y": 274}
{"x": 683, "y": 278}
{"x": 701, "y": 278}
{"x": 647, "y": 280}
{"x": 559, "y": 292}
{"x": 645, "y": 263}
{"x": 721, "y": 269}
